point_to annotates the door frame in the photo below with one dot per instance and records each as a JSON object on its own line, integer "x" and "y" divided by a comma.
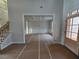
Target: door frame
{"x": 33, "y": 14}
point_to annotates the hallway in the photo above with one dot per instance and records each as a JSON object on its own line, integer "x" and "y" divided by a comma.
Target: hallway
{"x": 37, "y": 48}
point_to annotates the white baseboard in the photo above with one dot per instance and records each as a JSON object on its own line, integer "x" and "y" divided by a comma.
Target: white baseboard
{"x": 71, "y": 49}
{"x": 6, "y": 42}
{"x": 18, "y": 43}
{"x": 3, "y": 46}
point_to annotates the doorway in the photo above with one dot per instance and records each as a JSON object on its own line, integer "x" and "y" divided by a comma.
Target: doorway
{"x": 38, "y": 24}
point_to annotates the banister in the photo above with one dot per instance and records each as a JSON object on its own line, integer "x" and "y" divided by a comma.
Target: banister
{"x": 3, "y": 31}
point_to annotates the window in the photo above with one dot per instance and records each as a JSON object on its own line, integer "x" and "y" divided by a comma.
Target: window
{"x": 3, "y": 12}
{"x": 72, "y": 27}
{"x": 74, "y": 12}
{"x": 4, "y": 22}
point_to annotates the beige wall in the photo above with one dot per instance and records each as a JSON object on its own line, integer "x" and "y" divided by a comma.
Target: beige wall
{"x": 3, "y": 12}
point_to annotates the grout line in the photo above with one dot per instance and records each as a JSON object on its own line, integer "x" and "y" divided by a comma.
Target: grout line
{"x": 21, "y": 52}
{"x": 48, "y": 51}
{"x": 39, "y": 48}
{"x": 29, "y": 39}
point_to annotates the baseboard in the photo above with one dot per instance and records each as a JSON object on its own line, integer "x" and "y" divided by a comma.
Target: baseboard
{"x": 71, "y": 51}
{"x": 6, "y": 45}
{"x": 18, "y": 43}
{"x": 37, "y": 33}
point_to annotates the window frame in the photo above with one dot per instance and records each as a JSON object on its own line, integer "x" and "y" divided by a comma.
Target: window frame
{"x": 72, "y": 16}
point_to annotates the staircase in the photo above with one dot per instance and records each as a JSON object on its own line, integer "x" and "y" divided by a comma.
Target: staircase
{"x": 4, "y": 31}
{"x": 5, "y": 37}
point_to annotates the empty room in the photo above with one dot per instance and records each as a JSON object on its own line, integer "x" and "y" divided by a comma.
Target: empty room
{"x": 39, "y": 29}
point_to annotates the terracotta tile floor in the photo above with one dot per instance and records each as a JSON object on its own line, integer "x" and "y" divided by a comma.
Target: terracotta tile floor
{"x": 11, "y": 52}
{"x": 60, "y": 52}
{"x": 39, "y": 47}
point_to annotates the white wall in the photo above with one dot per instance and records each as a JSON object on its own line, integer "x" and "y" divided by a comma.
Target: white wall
{"x": 36, "y": 24}
{"x": 69, "y": 6}
{"x": 44, "y": 25}
{"x": 19, "y": 7}
{"x": 38, "y": 27}
{"x": 50, "y": 30}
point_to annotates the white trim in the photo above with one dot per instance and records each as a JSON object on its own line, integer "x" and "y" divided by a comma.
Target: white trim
{"x": 18, "y": 42}
{"x": 4, "y": 45}
{"x": 71, "y": 49}
{"x": 23, "y": 29}
{"x": 36, "y": 14}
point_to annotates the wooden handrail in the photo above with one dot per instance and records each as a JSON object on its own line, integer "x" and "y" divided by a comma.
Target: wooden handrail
{"x": 4, "y": 30}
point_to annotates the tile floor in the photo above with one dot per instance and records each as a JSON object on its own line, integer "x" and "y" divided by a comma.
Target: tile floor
{"x": 39, "y": 47}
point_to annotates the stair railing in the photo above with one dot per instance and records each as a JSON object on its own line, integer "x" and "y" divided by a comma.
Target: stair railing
{"x": 4, "y": 31}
